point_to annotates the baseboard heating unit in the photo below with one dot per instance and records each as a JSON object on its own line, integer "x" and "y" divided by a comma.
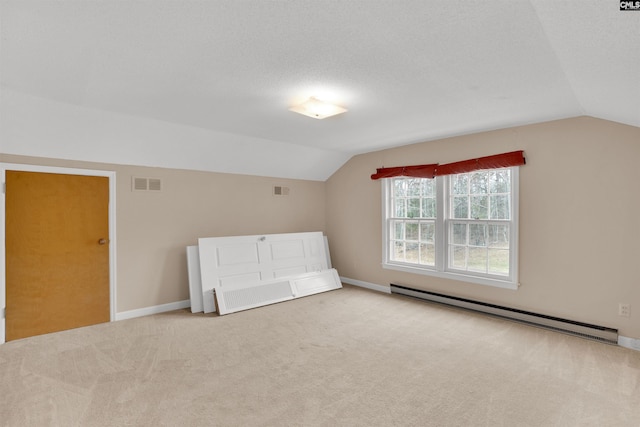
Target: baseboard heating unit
{"x": 584, "y": 330}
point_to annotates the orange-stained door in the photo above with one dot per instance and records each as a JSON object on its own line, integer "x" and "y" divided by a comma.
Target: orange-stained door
{"x": 57, "y": 252}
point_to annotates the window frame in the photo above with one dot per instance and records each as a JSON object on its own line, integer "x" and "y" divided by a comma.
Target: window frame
{"x": 442, "y": 221}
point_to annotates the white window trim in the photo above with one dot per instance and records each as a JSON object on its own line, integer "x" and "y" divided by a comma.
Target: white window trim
{"x": 440, "y": 270}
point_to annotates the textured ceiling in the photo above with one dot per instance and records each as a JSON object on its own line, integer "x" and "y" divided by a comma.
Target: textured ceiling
{"x": 407, "y": 70}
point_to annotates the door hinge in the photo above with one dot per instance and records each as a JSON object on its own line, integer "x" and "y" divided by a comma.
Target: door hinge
{"x": 2, "y": 313}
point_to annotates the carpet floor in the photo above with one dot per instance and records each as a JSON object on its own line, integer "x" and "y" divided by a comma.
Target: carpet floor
{"x": 350, "y": 357}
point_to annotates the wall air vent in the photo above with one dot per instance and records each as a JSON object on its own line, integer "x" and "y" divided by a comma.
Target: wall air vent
{"x": 139, "y": 184}
{"x": 145, "y": 184}
{"x": 280, "y": 191}
{"x": 155, "y": 184}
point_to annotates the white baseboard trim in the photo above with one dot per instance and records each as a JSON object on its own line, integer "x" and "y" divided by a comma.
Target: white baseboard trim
{"x": 632, "y": 343}
{"x": 372, "y": 286}
{"x": 139, "y": 312}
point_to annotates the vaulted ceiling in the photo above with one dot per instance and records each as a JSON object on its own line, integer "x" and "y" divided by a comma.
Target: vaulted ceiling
{"x": 407, "y": 70}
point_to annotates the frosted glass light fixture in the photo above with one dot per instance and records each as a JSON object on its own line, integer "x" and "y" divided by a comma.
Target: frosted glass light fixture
{"x": 317, "y": 109}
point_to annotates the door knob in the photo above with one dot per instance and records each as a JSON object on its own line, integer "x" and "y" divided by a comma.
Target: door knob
{"x": 102, "y": 241}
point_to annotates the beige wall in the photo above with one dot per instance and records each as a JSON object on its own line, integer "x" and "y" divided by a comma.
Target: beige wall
{"x": 153, "y": 229}
{"x": 578, "y": 259}
{"x": 579, "y": 218}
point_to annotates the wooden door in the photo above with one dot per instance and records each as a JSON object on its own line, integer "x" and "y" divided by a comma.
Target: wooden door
{"x": 57, "y": 252}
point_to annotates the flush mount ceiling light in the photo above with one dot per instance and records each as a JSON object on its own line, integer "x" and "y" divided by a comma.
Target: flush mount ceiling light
{"x": 317, "y": 109}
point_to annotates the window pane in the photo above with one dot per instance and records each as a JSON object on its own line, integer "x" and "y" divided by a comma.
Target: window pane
{"x": 398, "y": 251}
{"x": 477, "y": 235}
{"x": 399, "y": 187}
{"x": 459, "y": 235}
{"x": 500, "y": 181}
{"x": 478, "y": 183}
{"x": 460, "y": 207}
{"x": 427, "y": 232}
{"x": 411, "y": 231}
{"x": 400, "y": 208}
{"x": 479, "y": 207}
{"x": 428, "y": 208}
{"x": 458, "y": 257}
{"x": 411, "y": 254}
{"x": 460, "y": 184}
{"x": 499, "y": 262}
{"x": 477, "y": 259}
{"x": 427, "y": 254}
{"x": 429, "y": 188}
{"x": 498, "y": 236}
{"x": 398, "y": 230}
{"x": 414, "y": 187}
{"x": 500, "y": 207}
{"x": 413, "y": 208}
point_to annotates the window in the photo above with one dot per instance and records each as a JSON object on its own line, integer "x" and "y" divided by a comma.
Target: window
{"x": 462, "y": 227}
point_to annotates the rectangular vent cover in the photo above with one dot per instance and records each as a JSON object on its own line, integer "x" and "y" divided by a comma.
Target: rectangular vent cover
{"x": 280, "y": 191}
{"x": 145, "y": 184}
{"x": 155, "y": 184}
{"x": 571, "y": 327}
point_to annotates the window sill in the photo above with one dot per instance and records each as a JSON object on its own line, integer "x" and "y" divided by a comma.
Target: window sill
{"x": 504, "y": 284}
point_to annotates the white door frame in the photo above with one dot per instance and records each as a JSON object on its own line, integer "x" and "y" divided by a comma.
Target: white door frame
{"x": 112, "y": 230}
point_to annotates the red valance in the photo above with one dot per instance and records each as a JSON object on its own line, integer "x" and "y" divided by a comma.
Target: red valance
{"x": 514, "y": 158}
{"x": 505, "y": 160}
{"x": 421, "y": 171}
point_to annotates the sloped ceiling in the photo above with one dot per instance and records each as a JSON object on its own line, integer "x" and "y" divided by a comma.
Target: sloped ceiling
{"x": 407, "y": 70}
